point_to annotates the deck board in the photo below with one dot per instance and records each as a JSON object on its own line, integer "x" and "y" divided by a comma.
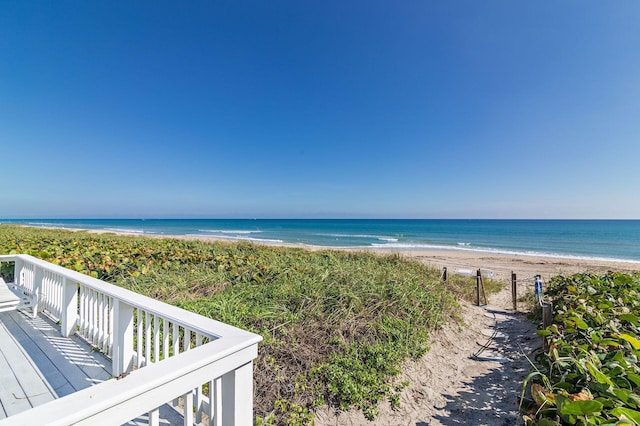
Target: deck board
{"x": 67, "y": 364}
{"x": 33, "y": 349}
{"x": 23, "y": 386}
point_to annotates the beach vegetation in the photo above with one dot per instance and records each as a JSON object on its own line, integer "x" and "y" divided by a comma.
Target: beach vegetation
{"x": 590, "y": 374}
{"x": 337, "y": 325}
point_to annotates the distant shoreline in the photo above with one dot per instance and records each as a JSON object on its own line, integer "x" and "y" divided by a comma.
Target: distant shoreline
{"x": 581, "y": 240}
{"x": 502, "y": 264}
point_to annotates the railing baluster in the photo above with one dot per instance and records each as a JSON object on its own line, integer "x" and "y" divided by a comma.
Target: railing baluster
{"x": 198, "y": 390}
{"x": 156, "y": 338}
{"x": 83, "y": 310}
{"x": 154, "y": 417}
{"x": 215, "y": 402}
{"x": 139, "y": 329}
{"x": 48, "y": 295}
{"x": 59, "y": 296}
{"x": 176, "y": 349}
{"x": 100, "y": 330}
{"x": 165, "y": 338}
{"x": 176, "y": 339}
{"x": 111, "y": 326}
{"x": 104, "y": 344}
{"x": 37, "y": 290}
{"x": 147, "y": 339}
{"x": 188, "y": 408}
{"x": 188, "y": 335}
{"x": 89, "y": 334}
{"x": 96, "y": 317}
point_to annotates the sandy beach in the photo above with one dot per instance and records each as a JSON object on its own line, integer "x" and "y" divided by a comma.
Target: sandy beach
{"x": 523, "y": 265}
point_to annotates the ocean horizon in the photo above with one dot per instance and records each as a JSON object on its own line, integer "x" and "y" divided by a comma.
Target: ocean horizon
{"x": 597, "y": 239}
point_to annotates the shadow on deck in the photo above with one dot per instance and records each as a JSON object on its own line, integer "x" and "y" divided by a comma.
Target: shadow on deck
{"x": 40, "y": 365}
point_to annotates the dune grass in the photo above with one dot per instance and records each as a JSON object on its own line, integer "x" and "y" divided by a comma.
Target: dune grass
{"x": 336, "y": 325}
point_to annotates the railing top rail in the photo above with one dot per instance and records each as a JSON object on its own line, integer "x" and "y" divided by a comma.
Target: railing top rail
{"x": 206, "y": 326}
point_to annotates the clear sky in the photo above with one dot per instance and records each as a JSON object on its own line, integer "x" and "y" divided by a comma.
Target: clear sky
{"x": 390, "y": 109}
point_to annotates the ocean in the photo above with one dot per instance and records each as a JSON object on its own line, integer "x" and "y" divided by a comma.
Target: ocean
{"x": 585, "y": 239}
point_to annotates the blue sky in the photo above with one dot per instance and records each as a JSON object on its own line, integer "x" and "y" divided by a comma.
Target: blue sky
{"x": 416, "y": 109}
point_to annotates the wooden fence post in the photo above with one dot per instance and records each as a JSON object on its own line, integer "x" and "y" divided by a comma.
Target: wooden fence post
{"x": 547, "y": 319}
{"x": 514, "y": 291}
{"x": 478, "y": 287}
{"x": 444, "y": 274}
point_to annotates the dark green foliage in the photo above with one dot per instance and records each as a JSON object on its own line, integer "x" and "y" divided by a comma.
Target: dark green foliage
{"x": 590, "y": 374}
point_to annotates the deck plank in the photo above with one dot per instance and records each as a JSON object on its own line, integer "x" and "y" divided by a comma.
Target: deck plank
{"x": 68, "y": 364}
{"x": 52, "y": 374}
{"x": 23, "y": 386}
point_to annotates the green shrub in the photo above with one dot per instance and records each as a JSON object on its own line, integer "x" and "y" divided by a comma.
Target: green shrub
{"x": 590, "y": 374}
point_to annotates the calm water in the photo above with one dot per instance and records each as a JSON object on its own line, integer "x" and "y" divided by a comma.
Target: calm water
{"x": 607, "y": 239}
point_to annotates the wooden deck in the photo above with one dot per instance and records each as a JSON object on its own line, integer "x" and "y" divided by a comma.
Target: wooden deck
{"x": 162, "y": 355}
{"x": 37, "y": 365}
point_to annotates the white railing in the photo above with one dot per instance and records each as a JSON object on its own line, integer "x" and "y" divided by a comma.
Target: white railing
{"x": 170, "y": 353}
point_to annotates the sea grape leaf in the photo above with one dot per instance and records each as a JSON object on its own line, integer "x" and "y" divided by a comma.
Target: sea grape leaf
{"x": 620, "y": 359}
{"x": 604, "y": 305}
{"x": 579, "y": 322}
{"x": 634, "y": 399}
{"x": 581, "y": 408}
{"x": 629, "y": 338}
{"x": 609, "y": 342}
{"x": 597, "y": 374}
{"x": 619, "y": 381}
{"x": 633, "y": 319}
{"x": 634, "y": 378}
{"x": 543, "y": 333}
{"x": 546, "y": 422}
{"x": 626, "y": 413}
{"x": 622, "y": 394}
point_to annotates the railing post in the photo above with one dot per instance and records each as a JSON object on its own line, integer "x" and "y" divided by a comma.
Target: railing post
{"x": 237, "y": 396}
{"x": 69, "y": 308}
{"x": 38, "y": 277}
{"x": 17, "y": 272}
{"x": 122, "y": 360}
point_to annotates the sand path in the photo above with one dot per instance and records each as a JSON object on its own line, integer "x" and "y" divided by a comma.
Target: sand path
{"x": 472, "y": 375}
